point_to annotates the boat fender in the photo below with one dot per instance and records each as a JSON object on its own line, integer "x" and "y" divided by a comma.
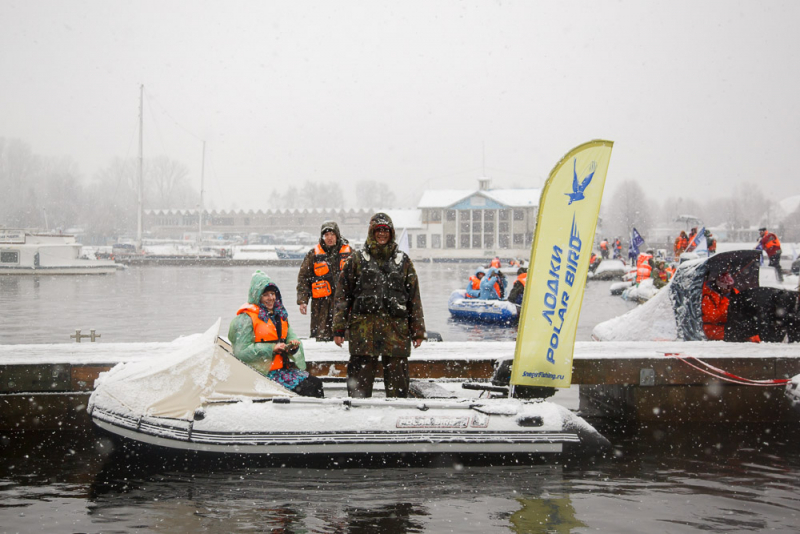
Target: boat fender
{"x": 199, "y": 414}
{"x": 281, "y": 400}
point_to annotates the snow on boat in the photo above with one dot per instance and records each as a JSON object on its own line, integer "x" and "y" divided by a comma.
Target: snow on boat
{"x": 641, "y": 292}
{"x": 617, "y": 288}
{"x": 609, "y": 270}
{"x": 674, "y": 312}
{"x": 485, "y": 311}
{"x": 203, "y": 399}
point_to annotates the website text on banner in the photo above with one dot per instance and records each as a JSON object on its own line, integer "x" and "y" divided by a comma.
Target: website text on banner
{"x": 562, "y": 245}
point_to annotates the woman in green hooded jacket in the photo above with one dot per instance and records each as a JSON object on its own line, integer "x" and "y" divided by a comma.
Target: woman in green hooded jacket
{"x": 262, "y": 338}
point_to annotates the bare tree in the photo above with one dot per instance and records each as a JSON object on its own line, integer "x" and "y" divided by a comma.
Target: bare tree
{"x": 629, "y": 207}
{"x": 373, "y": 194}
{"x": 167, "y": 183}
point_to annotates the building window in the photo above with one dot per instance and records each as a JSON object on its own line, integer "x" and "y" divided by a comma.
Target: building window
{"x": 463, "y": 215}
{"x": 476, "y": 241}
{"x": 488, "y": 215}
{"x": 421, "y": 240}
{"x": 476, "y": 215}
{"x": 503, "y": 227}
{"x": 435, "y": 216}
{"x": 451, "y": 215}
{"x": 436, "y": 241}
{"x": 476, "y": 227}
{"x": 488, "y": 241}
{"x": 247, "y": 221}
{"x": 488, "y": 227}
{"x": 503, "y": 215}
{"x": 519, "y": 239}
{"x": 410, "y": 241}
{"x": 528, "y": 238}
{"x": 519, "y": 215}
{"x": 465, "y": 227}
{"x": 504, "y": 242}
{"x": 464, "y": 241}
{"x": 450, "y": 241}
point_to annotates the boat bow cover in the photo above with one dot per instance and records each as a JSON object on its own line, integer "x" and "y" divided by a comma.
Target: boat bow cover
{"x": 178, "y": 384}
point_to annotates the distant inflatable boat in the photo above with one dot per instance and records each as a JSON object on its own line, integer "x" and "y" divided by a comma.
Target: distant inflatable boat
{"x": 485, "y": 311}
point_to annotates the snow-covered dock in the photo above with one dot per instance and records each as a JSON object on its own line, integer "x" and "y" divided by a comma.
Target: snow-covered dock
{"x": 635, "y": 380}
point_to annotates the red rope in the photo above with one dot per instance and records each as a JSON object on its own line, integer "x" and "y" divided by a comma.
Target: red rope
{"x": 721, "y": 374}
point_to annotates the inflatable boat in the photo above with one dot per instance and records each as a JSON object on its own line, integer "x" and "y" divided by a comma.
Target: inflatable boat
{"x": 203, "y": 399}
{"x": 485, "y": 311}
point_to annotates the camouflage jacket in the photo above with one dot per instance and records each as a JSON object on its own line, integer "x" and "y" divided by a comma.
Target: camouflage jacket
{"x": 321, "y": 308}
{"x": 379, "y": 332}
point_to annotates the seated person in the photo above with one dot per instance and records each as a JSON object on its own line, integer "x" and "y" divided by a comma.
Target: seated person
{"x": 474, "y": 284}
{"x": 492, "y": 285}
{"x": 518, "y": 289}
{"x": 262, "y": 338}
{"x": 714, "y": 306}
{"x": 660, "y": 274}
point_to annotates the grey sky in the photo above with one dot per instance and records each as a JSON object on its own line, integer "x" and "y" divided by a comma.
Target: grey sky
{"x": 697, "y": 96}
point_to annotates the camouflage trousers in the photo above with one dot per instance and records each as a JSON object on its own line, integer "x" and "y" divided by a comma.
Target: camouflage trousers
{"x": 361, "y": 371}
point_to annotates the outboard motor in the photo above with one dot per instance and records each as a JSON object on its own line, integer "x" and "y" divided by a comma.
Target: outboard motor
{"x": 502, "y": 377}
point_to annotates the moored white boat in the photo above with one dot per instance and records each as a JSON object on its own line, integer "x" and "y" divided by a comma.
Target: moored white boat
{"x": 487, "y": 311}
{"x": 201, "y": 398}
{"x": 23, "y": 252}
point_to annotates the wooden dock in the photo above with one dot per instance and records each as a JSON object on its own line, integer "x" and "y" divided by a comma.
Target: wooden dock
{"x": 47, "y": 386}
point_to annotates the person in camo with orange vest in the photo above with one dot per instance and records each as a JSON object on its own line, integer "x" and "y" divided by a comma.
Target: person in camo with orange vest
{"x": 770, "y": 243}
{"x": 518, "y": 289}
{"x": 262, "y": 338}
{"x": 316, "y": 281}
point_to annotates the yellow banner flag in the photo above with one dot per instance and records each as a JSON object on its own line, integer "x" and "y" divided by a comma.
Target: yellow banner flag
{"x": 562, "y": 245}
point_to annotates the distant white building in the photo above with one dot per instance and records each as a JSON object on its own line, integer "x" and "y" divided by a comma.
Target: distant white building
{"x": 472, "y": 224}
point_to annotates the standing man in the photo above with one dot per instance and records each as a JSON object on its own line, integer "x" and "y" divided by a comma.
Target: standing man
{"x": 317, "y": 279}
{"x": 769, "y": 242}
{"x": 378, "y": 302}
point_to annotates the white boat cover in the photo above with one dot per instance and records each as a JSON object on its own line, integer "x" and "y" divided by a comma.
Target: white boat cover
{"x": 176, "y": 385}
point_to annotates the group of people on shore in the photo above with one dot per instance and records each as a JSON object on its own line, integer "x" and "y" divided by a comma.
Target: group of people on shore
{"x": 370, "y": 295}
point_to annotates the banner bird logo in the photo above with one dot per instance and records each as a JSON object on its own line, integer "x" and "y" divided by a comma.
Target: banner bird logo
{"x": 578, "y": 189}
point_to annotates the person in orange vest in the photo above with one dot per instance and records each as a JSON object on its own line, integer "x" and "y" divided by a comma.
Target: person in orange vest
{"x": 316, "y": 280}
{"x": 711, "y": 243}
{"x": 474, "y": 285}
{"x": 643, "y": 266}
{"x": 691, "y": 242}
{"x": 617, "y": 249}
{"x": 518, "y": 289}
{"x": 495, "y": 263}
{"x": 770, "y": 243}
{"x": 262, "y": 338}
{"x": 714, "y": 306}
{"x": 681, "y": 242}
{"x": 660, "y": 274}
{"x": 604, "y": 248}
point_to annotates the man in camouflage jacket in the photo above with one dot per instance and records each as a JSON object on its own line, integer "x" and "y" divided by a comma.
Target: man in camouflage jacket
{"x": 317, "y": 279}
{"x": 377, "y": 302}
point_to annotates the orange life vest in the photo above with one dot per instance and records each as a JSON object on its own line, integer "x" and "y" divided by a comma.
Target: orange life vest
{"x": 522, "y": 279}
{"x": 604, "y": 245}
{"x": 321, "y": 286}
{"x": 643, "y": 267}
{"x": 265, "y": 332}
{"x": 715, "y": 314}
{"x": 771, "y": 243}
{"x": 476, "y": 285}
{"x": 496, "y": 263}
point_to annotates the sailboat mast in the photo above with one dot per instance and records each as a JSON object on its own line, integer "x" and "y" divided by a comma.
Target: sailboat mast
{"x": 200, "y": 211}
{"x": 141, "y": 169}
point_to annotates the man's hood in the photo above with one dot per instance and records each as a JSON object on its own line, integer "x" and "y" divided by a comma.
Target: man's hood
{"x": 329, "y": 225}
{"x": 377, "y": 220}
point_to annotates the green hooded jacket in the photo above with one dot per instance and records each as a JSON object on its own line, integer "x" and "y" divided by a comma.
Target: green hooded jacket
{"x": 377, "y": 334}
{"x": 242, "y": 336}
